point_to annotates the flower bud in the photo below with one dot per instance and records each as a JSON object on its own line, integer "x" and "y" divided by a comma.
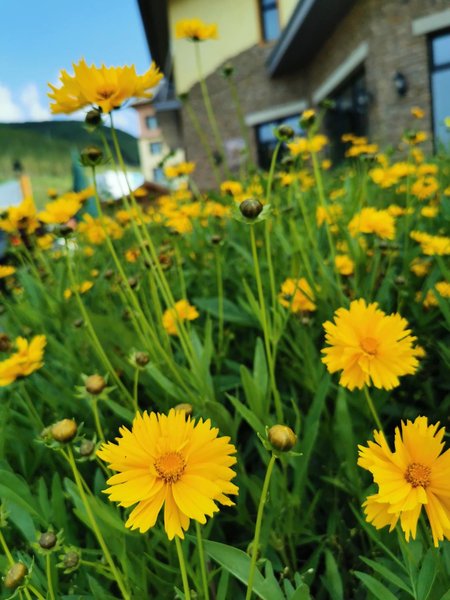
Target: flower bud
{"x": 109, "y": 273}
{"x": 284, "y": 133}
{"x": 227, "y": 70}
{"x": 48, "y": 540}
{"x": 15, "y": 576}
{"x": 142, "y": 359}
{"x": 87, "y": 447}
{"x": 5, "y": 343}
{"x": 216, "y": 239}
{"x": 71, "y": 560}
{"x": 91, "y": 156}
{"x": 282, "y": 438}
{"x": 93, "y": 118}
{"x": 64, "y": 431}
{"x": 95, "y": 384}
{"x": 307, "y": 118}
{"x": 185, "y": 407}
{"x": 78, "y": 323}
{"x": 250, "y": 208}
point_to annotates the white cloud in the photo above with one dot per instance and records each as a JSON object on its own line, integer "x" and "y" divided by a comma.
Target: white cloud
{"x": 10, "y": 110}
{"x": 30, "y": 100}
{"x": 127, "y": 120}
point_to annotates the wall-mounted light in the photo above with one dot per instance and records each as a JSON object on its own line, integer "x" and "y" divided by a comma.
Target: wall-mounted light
{"x": 401, "y": 84}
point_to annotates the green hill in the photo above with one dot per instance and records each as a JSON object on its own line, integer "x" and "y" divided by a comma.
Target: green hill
{"x": 45, "y": 148}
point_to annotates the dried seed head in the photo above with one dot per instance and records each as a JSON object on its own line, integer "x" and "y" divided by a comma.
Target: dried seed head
{"x": 47, "y": 540}
{"x": 142, "y": 358}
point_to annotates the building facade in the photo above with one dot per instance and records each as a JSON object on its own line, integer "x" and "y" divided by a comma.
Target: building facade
{"x": 374, "y": 58}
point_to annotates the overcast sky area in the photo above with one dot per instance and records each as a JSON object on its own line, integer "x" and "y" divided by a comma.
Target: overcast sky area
{"x": 39, "y": 38}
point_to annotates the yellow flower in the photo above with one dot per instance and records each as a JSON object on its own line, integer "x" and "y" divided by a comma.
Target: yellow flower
{"x": 318, "y": 143}
{"x": 181, "y": 311}
{"x": 173, "y": 461}
{"x": 417, "y": 112}
{"x": 84, "y": 287}
{"x": 25, "y": 361}
{"x": 370, "y": 220}
{"x": 416, "y": 474}
{"x": 429, "y": 211}
{"x": 298, "y": 146}
{"x": 297, "y": 295}
{"x": 45, "y": 241}
{"x": 419, "y": 267}
{"x": 60, "y": 211}
{"x": 369, "y": 347}
{"x": 338, "y": 193}
{"x": 106, "y": 88}
{"x": 6, "y": 271}
{"x": 424, "y": 187}
{"x": 20, "y": 218}
{"x": 195, "y": 30}
{"x": 326, "y": 164}
{"x": 132, "y": 255}
{"x": 442, "y": 288}
{"x": 233, "y": 188}
{"x": 432, "y": 244}
{"x": 329, "y": 215}
{"x": 344, "y": 264}
{"x": 95, "y": 230}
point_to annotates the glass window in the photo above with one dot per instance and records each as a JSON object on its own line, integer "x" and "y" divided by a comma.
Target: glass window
{"x": 151, "y": 122}
{"x": 440, "y": 86}
{"x": 156, "y": 148}
{"x": 269, "y": 20}
{"x": 266, "y": 141}
{"x": 349, "y": 114}
{"x": 158, "y": 175}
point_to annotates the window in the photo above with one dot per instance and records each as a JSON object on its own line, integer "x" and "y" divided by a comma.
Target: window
{"x": 349, "y": 114}
{"x": 270, "y": 23}
{"x": 156, "y": 148}
{"x": 151, "y": 122}
{"x": 440, "y": 86}
{"x": 158, "y": 175}
{"x": 266, "y": 140}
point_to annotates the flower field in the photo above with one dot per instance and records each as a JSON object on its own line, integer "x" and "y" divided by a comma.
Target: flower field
{"x": 239, "y": 393}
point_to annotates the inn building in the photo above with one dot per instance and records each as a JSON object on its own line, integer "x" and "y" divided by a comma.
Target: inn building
{"x": 375, "y": 59}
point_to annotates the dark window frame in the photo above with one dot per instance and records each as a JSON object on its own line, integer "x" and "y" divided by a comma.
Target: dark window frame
{"x": 265, "y": 6}
{"x": 261, "y": 145}
{"x": 160, "y": 146}
{"x": 432, "y": 68}
{"x": 155, "y": 120}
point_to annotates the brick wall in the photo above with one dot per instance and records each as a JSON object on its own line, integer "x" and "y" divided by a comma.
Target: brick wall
{"x": 384, "y": 24}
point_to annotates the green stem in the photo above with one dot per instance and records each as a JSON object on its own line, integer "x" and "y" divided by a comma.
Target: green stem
{"x": 187, "y": 591}
{"x": 38, "y": 595}
{"x": 5, "y": 548}
{"x": 135, "y": 390}
{"x": 207, "y": 102}
{"x": 97, "y": 421}
{"x": 48, "y": 570}
{"x": 259, "y": 516}
{"x": 95, "y": 528}
{"x": 219, "y": 276}
{"x": 201, "y": 557}
{"x": 372, "y": 409}
{"x": 266, "y": 328}
{"x": 95, "y": 341}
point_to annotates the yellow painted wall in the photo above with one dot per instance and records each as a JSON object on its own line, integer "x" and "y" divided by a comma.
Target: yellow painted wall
{"x": 286, "y": 8}
{"x": 239, "y": 29}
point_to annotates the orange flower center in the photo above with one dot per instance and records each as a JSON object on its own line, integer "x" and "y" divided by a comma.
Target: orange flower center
{"x": 417, "y": 474}
{"x": 105, "y": 93}
{"x": 369, "y": 345}
{"x": 170, "y": 466}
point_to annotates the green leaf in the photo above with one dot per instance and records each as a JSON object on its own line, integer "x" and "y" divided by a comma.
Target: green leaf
{"x": 248, "y": 415}
{"x": 379, "y": 590}
{"x": 388, "y": 575}
{"x": 231, "y": 312}
{"x": 427, "y": 574}
{"x": 301, "y": 593}
{"x": 237, "y": 563}
{"x": 332, "y": 578}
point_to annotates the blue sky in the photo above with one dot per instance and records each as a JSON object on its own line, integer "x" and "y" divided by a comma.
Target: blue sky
{"x": 38, "y": 38}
